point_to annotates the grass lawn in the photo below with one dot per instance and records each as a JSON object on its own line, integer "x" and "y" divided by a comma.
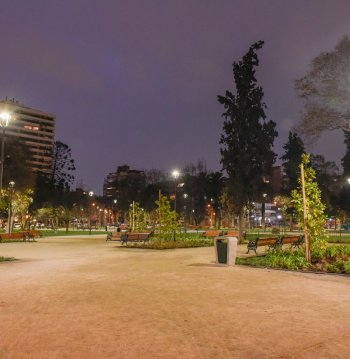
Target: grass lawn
{"x": 52, "y": 233}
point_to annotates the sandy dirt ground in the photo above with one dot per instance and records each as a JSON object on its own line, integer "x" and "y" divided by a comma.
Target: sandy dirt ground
{"x": 81, "y": 297}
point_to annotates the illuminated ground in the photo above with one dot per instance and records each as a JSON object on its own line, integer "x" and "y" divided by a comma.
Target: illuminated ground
{"x": 85, "y": 298}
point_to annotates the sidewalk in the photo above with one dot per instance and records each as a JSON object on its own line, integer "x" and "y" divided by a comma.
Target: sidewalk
{"x": 87, "y": 298}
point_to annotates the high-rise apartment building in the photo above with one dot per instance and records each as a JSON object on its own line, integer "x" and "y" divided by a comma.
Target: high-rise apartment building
{"x": 36, "y": 129}
{"x": 113, "y": 181}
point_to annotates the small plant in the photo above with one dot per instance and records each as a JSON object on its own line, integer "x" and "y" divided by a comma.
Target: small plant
{"x": 7, "y": 259}
{"x": 318, "y": 250}
{"x": 332, "y": 268}
{"x": 332, "y": 252}
{"x": 347, "y": 267}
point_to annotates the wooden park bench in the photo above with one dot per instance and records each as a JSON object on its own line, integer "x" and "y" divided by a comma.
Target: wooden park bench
{"x": 135, "y": 237}
{"x": 212, "y": 233}
{"x": 33, "y": 234}
{"x": 271, "y": 243}
{"x": 15, "y": 235}
{"x": 232, "y": 233}
{"x": 294, "y": 241}
{"x": 114, "y": 236}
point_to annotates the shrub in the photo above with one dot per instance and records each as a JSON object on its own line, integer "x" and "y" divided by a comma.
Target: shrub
{"x": 318, "y": 250}
{"x": 332, "y": 268}
{"x": 287, "y": 259}
{"x": 170, "y": 244}
{"x": 347, "y": 267}
{"x": 332, "y": 252}
{"x": 7, "y": 259}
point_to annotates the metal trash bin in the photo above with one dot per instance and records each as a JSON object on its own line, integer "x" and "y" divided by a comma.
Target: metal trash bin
{"x": 226, "y": 250}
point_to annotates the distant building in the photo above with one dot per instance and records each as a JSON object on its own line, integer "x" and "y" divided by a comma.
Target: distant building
{"x": 114, "y": 180}
{"x": 36, "y": 129}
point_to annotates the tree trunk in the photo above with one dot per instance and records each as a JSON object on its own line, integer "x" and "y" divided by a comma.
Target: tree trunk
{"x": 241, "y": 226}
{"x": 306, "y": 238}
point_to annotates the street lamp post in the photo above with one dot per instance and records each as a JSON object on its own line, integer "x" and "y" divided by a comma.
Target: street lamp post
{"x": 175, "y": 175}
{"x": 90, "y": 204}
{"x": 115, "y": 201}
{"x": 5, "y": 118}
{"x": 185, "y": 210}
{"x": 263, "y": 209}
{"x": 9, "y": 219}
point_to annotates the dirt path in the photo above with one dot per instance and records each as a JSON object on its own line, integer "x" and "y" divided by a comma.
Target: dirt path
{"x": 85, "y": 298}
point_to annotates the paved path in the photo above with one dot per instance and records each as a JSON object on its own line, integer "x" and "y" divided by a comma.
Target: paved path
{"x": 85, "y": 298}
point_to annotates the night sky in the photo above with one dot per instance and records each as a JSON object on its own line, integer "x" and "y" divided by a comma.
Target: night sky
{"x": 136, "y": 82}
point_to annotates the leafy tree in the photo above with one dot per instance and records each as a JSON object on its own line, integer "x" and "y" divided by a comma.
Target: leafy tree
{"x": 325, "y": 91}
{"x": 327, "y": 176}
{"x": 19, "y": 201}
{"x": 345, "y": 161}
{"x": 62, "y": 166}
{"x": 314, "y": 207}
{"x": 247, "y": 154}
{"x": 137, "y": 217}
{"x": 16, "y": 165}
{"x": 294, "y": 149}
{"x": 344, "y": 201}
{"x": 166, "y": 218}
{"x": 46, "y": 215}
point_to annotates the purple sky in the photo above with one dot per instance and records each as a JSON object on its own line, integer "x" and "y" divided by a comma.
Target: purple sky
{"x": 136, "y": 81}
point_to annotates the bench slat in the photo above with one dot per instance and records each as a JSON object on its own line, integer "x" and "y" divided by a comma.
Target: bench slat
{"x": 213, "y": 233}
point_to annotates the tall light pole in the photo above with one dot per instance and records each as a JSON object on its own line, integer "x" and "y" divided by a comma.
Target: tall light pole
{"x": 175, "y": 175}
{"x": 90, "y": 204}
{"x": 9, "y": 219}
{"x": 115, "y": 201}
{"x": 185, "y": 209}
{"x": 263, "y": 209}
{"x": 5, "y": 118}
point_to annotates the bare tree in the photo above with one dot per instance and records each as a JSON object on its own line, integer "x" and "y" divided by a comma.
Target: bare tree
{"x": 325, "y": 91}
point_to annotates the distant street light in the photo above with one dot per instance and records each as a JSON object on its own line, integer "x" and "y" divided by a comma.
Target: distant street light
{"x": 90, "y": 204}
{"x": 115, "y": 201}
{"x": 185, "y": 209}
{"x": 175, "y": 175}
{"x": 5, "y": 118}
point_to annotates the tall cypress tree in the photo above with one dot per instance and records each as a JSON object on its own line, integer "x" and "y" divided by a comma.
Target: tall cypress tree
{"x": 247, "y": 139}
{"x": 294, "y": 150}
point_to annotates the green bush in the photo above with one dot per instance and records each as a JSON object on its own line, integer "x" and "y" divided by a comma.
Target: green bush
{"x": 7, "y": 259}
{"x": 347, "y": 267}
{"x": 332, "y": 268}
{"x": 287, "y": 259}
{"x": 171, "y": 244}
{"x": 332, "y": 252}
